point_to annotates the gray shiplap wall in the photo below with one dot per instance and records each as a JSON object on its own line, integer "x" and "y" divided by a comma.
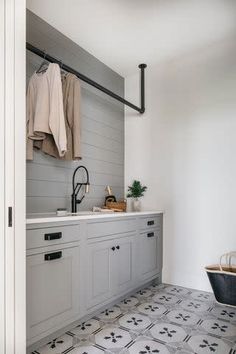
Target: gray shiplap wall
{"x": 48, "y": 181}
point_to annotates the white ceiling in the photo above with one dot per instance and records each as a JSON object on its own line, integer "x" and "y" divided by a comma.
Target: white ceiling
{"x": 124, "y": 33}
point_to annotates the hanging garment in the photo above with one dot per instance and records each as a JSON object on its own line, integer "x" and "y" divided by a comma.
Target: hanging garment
{"x": 44, "y": 110}
{"x": 71, "y": 103}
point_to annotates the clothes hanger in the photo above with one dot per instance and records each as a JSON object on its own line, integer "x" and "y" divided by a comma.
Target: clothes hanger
{"x": 44, "y": 62}
{"x": 63, "y": 72}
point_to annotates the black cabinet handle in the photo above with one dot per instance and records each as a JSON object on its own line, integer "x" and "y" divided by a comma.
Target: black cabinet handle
{"x": 52, "y": 256}
{"x": 118, "y": 247}
{"x": 9, "y": 216}
{"x": 150, "y": 234}
{"x": 151, "y": 222}
{"x": 53, "y": 236}
{"x": 113, "y": 248}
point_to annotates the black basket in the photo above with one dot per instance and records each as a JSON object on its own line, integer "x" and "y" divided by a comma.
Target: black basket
{"x": 223, "y": 280}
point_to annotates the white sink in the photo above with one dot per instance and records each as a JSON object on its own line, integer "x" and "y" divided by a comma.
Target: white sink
{"x": 81, "y": 213}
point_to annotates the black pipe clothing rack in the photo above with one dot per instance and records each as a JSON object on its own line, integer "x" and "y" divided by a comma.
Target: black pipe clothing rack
{"x": 84, "y": 78}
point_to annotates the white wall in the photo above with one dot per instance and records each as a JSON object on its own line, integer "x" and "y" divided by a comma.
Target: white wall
{"x": 184, "y": 150}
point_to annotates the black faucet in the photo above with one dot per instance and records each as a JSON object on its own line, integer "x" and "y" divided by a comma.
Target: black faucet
{"x": 76, "y": 188}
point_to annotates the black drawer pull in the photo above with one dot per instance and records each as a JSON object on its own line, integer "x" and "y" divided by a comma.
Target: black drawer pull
{"x": 150, "y": 234}
{"x": 53, "y": 236}
{"x": 151, "y": 222}
{"x": 52, "y": 256}
{"x": 113, "y": 248}
{"x": 118, "y": 247}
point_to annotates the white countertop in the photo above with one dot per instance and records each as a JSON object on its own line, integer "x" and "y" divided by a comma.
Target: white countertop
{"x": 52, "y": 217}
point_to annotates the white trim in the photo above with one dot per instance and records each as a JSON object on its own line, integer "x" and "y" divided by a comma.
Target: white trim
{"x": 20, "y": 178}
{"x": 2, "y": 181}
{"x": 14, "y": 135}
{"x": 9, "y": 174}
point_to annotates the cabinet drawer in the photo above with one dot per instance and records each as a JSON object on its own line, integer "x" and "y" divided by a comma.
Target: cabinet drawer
{"x": 110, "y": 227}
{"x": 150, "y": 222}
{"x": 52, "y": 236}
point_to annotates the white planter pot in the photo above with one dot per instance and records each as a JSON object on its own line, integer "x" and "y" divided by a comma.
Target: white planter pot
{"x": 136, "y": 204}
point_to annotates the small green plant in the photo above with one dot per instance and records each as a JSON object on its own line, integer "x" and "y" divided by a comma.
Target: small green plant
{"x": 136, "y": 190}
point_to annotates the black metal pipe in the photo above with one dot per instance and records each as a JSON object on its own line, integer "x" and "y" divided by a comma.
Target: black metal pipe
{"x": 142, "y": 67}
{"x": 84, "y": 78}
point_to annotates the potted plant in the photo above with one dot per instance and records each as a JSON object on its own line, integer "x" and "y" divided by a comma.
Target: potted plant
{"x": 135, "y": 191}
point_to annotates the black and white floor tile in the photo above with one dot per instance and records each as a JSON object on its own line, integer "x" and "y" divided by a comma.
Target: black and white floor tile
{"x": 129, "y": 302}
{"x": 144, "y": 294}
{"x": 165, "y": 298}
{"x": 147, "y": 346}
{"x": 109, "y": 315}
{"x": 135, "y": 321}
{"x": 113, "y": 338}
{"x": 152, "y": 309}
{"x": 86, "y": 328}
{"x": 57, "y": 345}
{"x": 86, "y": 349}
{"x": 161, "y": 319}
{"x": 182, "y": 317}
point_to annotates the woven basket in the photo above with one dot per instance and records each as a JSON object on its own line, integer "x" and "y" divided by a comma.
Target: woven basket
{"x": 223, "y": 280}
{"x": 118, "y": 206}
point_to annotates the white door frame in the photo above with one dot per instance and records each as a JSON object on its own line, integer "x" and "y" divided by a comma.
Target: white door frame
{"x": 12, "y": 177}
{"x": 2, "y": 183}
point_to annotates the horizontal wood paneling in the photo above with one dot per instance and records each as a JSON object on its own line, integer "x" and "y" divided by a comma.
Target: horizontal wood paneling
{"x": 37, "y": 188}
{"x": 61, "y": 174}
{"x": 102, "y": 120}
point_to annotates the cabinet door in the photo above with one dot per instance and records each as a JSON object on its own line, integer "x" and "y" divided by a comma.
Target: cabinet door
{"x": 52, "y": 289}
{"x": 99, "y": 267}
{"x": 122, "y": 272}
{"x": 149, "y": 253}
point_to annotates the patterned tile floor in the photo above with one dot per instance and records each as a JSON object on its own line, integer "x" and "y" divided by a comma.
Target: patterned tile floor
{"x": 161, "y": 319}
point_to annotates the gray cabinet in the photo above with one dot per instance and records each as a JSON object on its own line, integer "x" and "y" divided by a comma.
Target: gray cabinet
{"x": 98, "y": 272}
{"x": 123, "y": 261}
{"x": 110, "y": 268}
{"x": 148, "y": 253}
{"x": 73, "y": 269}
{"x": 52, "y": 289}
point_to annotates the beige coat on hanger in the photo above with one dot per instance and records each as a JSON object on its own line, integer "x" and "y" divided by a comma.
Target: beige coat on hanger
{"x": 71, "y": 101}
{"x": 45, "y": 114}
